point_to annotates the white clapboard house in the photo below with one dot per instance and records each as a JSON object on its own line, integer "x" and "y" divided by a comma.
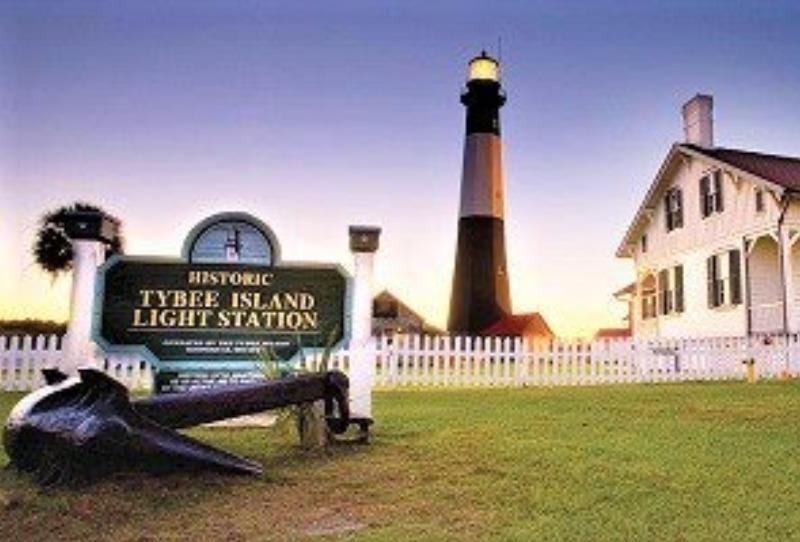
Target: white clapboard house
{"x": 715, "y": 241}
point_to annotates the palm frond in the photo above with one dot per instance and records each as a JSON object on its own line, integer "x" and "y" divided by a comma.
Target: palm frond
{"x": 52, "y": 249}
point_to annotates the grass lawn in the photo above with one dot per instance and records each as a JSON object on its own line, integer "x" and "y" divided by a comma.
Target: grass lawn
{"x": 715, "y": 461}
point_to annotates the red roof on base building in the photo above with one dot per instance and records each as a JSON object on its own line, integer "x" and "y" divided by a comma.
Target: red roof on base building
{"x": 531, "y": 324}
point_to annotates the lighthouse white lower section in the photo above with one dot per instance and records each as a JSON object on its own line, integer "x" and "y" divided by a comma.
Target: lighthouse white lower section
{"x": 482, "y": 192}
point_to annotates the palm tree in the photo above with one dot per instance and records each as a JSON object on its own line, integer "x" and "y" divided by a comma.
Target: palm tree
{"x": 52, "y": 249}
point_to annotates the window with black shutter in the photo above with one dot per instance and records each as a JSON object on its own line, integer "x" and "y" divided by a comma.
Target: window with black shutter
{"x": 649, "y": 297}
{"x": 673, "y": 208}
{"x": 720, "y": 282}
{"x": 705, "y": 189}
{"x": 725, "y": 279}
{"x": 667, "y": 213}
{"x": 678, "y": 281}
{"x": 711, "y": 200}
{"x": 734, "y": 276}
{"x": 712, "y": 274}
{"x": 718, "y": 205}
{"x": 664, "y": 297}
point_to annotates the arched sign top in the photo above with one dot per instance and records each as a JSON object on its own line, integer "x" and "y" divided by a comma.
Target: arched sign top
{"x": 232, "y": 238}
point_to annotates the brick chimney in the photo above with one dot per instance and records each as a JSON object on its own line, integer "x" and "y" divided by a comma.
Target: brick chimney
{"x": 698, "y": 121}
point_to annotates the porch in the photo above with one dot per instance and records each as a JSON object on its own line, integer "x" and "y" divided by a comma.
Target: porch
{"x": 773, "y": 274}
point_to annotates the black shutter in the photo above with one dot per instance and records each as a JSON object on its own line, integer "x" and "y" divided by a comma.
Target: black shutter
{"x": 704, "y": 189}
{"x": 667, "y": 213}
{"x": 679, "y": 207}
{"x": 679, "y": 288}
{"x": 663, "y": 291}
{"x": 718, "y": 190}
{"x": 734, "y": 261}
{"x": 711, "y": 267}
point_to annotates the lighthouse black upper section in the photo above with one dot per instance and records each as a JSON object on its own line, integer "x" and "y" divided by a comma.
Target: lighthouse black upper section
{"x": 483, "y": 99}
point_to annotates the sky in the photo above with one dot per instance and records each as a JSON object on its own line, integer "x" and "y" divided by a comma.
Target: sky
{"x": 317, "y": 115}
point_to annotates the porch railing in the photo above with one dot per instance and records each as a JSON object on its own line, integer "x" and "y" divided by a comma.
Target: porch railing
{"x": 767, "y": 317}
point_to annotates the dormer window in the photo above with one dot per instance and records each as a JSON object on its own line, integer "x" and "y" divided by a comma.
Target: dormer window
{"x": 711, "y": 194}
{"x": 673, "y": 207}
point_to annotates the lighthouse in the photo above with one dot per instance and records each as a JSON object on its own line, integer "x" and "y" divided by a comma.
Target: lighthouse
{"x": 480, "y": 293}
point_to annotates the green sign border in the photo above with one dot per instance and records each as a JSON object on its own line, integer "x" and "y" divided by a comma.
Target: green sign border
{"x": 225, "y": 364}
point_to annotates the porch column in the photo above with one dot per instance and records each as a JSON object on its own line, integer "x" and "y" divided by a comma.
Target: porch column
{"x": 789, "y": 238}
{"x": 747, "y": 293}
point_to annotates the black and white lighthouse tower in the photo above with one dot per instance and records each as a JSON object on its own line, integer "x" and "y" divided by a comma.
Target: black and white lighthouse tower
{"x": 480, "y": 294}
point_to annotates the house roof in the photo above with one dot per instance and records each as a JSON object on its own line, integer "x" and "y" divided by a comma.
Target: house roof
{"x": 612, "y": 333}
{"x": 518, "y": 325}
{"x": 778, "y": 173}
{"x": 781, "y": 170}
{"x": 386, "y": 295}
{"x": 630, "y": 289}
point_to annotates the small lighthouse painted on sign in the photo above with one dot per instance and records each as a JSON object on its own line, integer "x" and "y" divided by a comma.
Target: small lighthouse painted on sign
{"x": 480, "y": 294}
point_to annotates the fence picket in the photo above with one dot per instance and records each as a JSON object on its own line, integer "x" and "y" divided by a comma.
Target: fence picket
{"x": 10, "y": 363}
{"x": 520, "y": 361}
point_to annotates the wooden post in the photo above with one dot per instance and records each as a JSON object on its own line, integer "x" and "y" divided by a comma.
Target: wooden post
{"x": 750, "y": 366}
{"x": 311, "y": 426}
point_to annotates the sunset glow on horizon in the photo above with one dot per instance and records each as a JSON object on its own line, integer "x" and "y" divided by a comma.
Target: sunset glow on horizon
{"x": 314, "y": 118}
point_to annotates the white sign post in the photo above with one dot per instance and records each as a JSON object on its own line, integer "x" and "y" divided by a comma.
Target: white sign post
{"x": 78, "y": 346}
{"x": 89, "y": 232}
{"x": 363, "y": 245}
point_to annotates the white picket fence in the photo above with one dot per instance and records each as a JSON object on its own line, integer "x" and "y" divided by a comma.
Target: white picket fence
{"x": 476, "y": 361}
{"x": 23, "y": 358}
